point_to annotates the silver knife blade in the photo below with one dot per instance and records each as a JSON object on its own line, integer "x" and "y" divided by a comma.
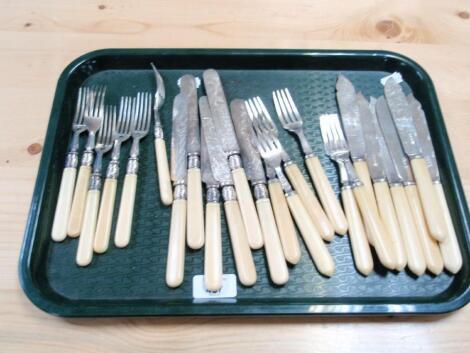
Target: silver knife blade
{"x": 349, "y": 112}
{"x": 206, "y": 170}
{"x": 189, "y": 88}
{"x": 375, "y": 161}
{"x": 424, "y": 137}
{"x": 178, "y": 138}
{"x": 220, "y": 111}
{"x": 401, "y": 114}
{"x": 399, "y": 159}
{"x": 217, "y": 157}
{"x": 245, "y": 134}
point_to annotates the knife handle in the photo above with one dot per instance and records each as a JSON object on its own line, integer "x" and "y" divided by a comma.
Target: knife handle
{"x": 248, "y": 209}
{"x": 213, "y": 248}
{"x": 376, "y": 229}
{"x": 313, "y": 207}
{"x": 359, "y": 242}
{"x": 164, "y": 181}
{"x": 126, "y": 212}
{"x": 431, "y": 252}
{"x": 195, "y": 218}
{"x": 272, "y": 244}
{"x": 285, "y": 224}
{"x": 241, "y": 249}
{"x": 314, "y": 242}
{"x": 362, "y": 171}
{"x": 105, "y": 216}
{"x": 176, "y": 244}
{"x": 427, "y": 194}
{"x": 450, "y": 246}
{"x": 78, "y": 203}
{"x": 327, "y": 196}
{"x": 64, "y": 204}
{"x": 85, "y": 242}
{"x": 414, "y": 252}
{"x": 389, "y": 217}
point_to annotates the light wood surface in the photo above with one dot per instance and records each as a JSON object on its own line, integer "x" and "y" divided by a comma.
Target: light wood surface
{"x": 38, "y": 39}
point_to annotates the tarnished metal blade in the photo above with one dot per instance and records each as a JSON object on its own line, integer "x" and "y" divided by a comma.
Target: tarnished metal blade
{"x": 188, "y": 87}
{"x": 399, "y": 159}
{"x": 245, "y": 134}
{"x": 206, "y": 170}
{"x": 349, "y": 111}
{"x": 424, "y": 137}
{"x": 401, "y": 114}
{"x": 220, "y": 111}
{"x": 375, "y": 161}
{"x": 217, "y": 157}
{"x": 178, "y": 138}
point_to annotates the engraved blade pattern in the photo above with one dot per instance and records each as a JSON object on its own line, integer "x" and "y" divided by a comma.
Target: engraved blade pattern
{"x": 189, "y": 88}
{"x": 179, "y": 137}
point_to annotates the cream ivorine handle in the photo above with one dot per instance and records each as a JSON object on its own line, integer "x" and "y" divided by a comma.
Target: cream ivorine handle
{"x": 213, "y": 248}
{"x": 450, "y": 249}
{"x": 327, "y": 196}
{"x": 315, "y": 245}
{"x": 310, "y": 201}
{"x": 105, "y": 216}
{"x": 359, "y": 242}
{"x": 126, "y": 212}
{"x": 272, "y": 244}
{"x": 64, "y": 204}
{"x": 414, "y": 253}
{"x": 195, "y": 217}
{"x": 164, "y": 181}
{"x": 431, "y": 252}
{"x": 176, "y": 244}
{"x": 389, "y": 217}
{"x": 362, "y": 171}
{"x": 78, "y": 203}
{"x": 377, "y": 230}
{"x": 85, "y": 242}
{"x": 241, "y": 249}
{"x": 248, "y": 209}
{"x": 427, "y": 194}
{"x": 285, "y": 224}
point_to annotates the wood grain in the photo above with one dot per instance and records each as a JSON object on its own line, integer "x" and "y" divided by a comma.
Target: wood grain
{"x": 38, "y": 39}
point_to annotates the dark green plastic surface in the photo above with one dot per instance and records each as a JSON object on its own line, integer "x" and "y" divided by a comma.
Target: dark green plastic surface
{"x": 131, "y": 281}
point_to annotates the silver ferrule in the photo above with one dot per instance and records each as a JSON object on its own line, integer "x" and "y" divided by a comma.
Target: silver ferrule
{"x": 71, "y": 161}
{"x": 193, "y": 161}
{"x": 348, "y": 174}
{"x": 95, "y": 181}
{"x": 346, "y": 187}
{"x": 158, "y": 130}
{"x": 112, "y": 172}
{"x": 179, "y": 193}
{"x": 437, "y": 182}
{"x": 409, "y": 183}
{"x": 87, "y": 158}
{"x": 229, "y": 193}
{"x": 75, "y": 142}
{"x": 260, "y": 191}
{"x": 379, "y": 180}
{"x": 235, "y": 161}
{"x": 283, "y": 180}
{"x": 304, "y": 142}
{"x": 134, "y": 148}
{"x": 288, "y": 162}
{"x": 212, "y": 194}
{"x": 415, "y": 156}
{"x": 310, "y": 155}
{"x": 132, "y": 165}
{"x": 395, "y": 184}
{"x": 358, "y": 159}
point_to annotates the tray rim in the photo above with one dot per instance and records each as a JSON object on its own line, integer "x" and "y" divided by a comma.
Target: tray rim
{"x": 43, "y": 302}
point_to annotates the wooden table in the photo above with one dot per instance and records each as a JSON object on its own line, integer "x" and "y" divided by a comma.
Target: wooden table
{"x": 38, "y": 39}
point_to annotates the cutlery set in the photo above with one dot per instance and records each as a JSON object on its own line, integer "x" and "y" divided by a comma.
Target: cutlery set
{"x": 393, "y": 200}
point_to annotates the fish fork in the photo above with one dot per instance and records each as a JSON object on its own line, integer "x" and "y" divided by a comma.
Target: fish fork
{"x": 142, "y": 112}
{"x": 104, "y": 143}
{"x": 93, "y": 116}
{"x": 105, "y": 216}
{"x": 294, "y": 174}
{"x": 270, "y": 150}
{"x": 64, "y": 201}
{"x": 336, "y": 147}
{"x": 292, "y": 121}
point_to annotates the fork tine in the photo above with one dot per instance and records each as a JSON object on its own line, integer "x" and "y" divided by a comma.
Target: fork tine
{"x": 284, "y": 116}
{"x": 148, "y": 113}
{"x": 76, "y": 118}
{"x": 290, "y": 117}
{"x": 277, "y": 107}
{"x": 295, "y": 111}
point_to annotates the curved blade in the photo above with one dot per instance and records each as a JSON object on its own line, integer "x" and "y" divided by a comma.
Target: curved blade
{"x": 179, "y": 156}
{"x": 160, "y": 91}
{"x": 189, "y": 88}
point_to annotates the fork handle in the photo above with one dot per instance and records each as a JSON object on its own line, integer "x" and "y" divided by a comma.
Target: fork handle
{"x": 285, "y": 224}
{"x": 176, "y": 244}
{"x": 313, "y": 207}
{"x": 64, "y": 204}
{"x": 450, "y": 249}
{"x": 78, "y": 203}
{"x": 315, "y": 245}
{"x": 85, "y": 242}
{"x": 105, "y": 216}
{"x": 327, "y": 196}
{"x": 126, "y": 211}
{"x": 164, "y": 181}
{"x": 195, "y": 218}
{"x": 213, "y": 248}
{"x": 248, "y": 209}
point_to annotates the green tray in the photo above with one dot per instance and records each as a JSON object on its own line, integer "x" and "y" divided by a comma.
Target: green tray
{"x": 131, "y": 281}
